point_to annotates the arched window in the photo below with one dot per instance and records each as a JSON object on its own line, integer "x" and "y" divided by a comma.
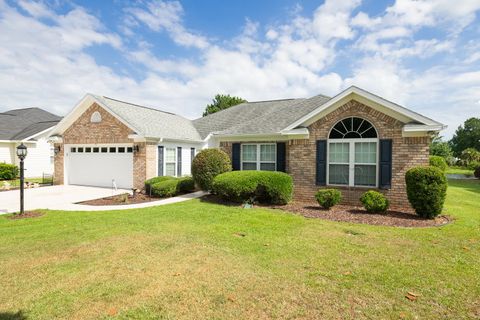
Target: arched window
{"x": 352, "y": 153}
{"x": 96, "y": 117}
{"x": 351, "y": 128}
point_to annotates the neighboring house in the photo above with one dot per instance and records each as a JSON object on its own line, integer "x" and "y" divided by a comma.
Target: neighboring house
{"x": 32, "y": 127}
{"x": 354, "y": 141}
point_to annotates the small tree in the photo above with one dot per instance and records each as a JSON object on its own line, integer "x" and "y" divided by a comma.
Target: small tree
{"x": 426, "y": 190}
{"x": 207, "y": 164}
{"x": 222, "y": 102}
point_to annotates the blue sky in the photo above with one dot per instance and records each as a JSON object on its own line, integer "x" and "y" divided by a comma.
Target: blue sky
{"x": 176, "y": 55}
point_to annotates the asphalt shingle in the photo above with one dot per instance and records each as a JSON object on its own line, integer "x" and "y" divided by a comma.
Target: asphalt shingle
{"x": 20, "y": 124}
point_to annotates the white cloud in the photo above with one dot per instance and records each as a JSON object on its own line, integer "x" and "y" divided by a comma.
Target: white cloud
{"x": 162, "y": 15}
{"x": 46, "y": 63}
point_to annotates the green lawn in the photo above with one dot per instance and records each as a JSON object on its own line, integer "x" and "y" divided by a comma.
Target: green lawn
{"x": 190, "y": 261}
{"x": 16, "y": 183}
{"x": 459, "y": 170}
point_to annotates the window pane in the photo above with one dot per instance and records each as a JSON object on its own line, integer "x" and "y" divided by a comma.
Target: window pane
{"x": 249, "y": 166}
{"x": 121, "y": 149}
{"x": 267, "y": 166}
{"x": 339, "y": 153}
{"x": 170, "y": 155}
{"x": 338, "y": 174}
{"x": 249, "y": 152}
{"x": 267, "y": 152}
{"x": 170, "y": 169}
{"x": 365, "y": 175}
{"x": 365, "y": 152}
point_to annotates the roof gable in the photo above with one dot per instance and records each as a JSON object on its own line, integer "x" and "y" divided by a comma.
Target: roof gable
{"x": 393, "y": 110}
{"x": 144, "y": 121}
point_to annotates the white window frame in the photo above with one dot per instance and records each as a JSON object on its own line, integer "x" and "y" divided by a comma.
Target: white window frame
{"x": 165, "y": 160}
{"x": 258, "y": 162}
{"x": 351, "y": 164}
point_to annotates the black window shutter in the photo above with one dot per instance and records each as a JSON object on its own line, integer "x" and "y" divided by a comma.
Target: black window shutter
{"x": 385, "y": 163}
{"x": 192, "y": 154}
{"x": 179, "y": 161}
{"x": 281, "y": 156}
{"x": 236, "y": 156}
{"x": 160, "y": 160}
{"x": 321, "y": 178}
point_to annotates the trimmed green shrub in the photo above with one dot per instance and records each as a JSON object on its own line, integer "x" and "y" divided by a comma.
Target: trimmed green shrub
{"x": 439, "y": 162}
{"x": 166, "y": 188}
{"x": 473, "y": 165}
{"x": 264, "y": 186}
{"x": 154, "y": 180}
{"x": 8, "y": 171}
{"x": 374, "y": 201}
{"x": 186, "y": 184}
{"x": 426, "y": 190}
{"x": 327, "y": 198}
{"x": 476, "y": 173}
{"x": 207, "y": 164}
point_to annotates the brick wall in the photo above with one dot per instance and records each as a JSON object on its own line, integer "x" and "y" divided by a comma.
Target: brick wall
{"x": 301, "y": 162}
{"x": 109, "y": 130}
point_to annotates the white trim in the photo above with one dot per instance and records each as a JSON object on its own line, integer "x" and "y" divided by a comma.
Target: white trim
{"x": 258, "y": 162}
{"x": 353, "y": 92}
{"x": 165, "y": 161}
{"x": 351, "y": 163}
{"x": 85, "y": 103}
{"x": 38, "y": 133}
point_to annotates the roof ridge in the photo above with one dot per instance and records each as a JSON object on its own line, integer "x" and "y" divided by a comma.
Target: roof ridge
{"x": 275, "y": 100}
{"x": 140, "y": 106}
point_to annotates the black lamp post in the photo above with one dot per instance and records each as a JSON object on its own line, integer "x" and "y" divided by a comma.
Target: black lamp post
{"x": 21, "y": 154}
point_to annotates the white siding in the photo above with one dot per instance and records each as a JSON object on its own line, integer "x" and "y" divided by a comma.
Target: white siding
{"x": 6, "y": 152}
{"x": 186, "y": 155}
{"x": 38, "y": 160}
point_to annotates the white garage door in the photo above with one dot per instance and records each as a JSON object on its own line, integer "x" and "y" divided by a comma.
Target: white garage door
{"x": 100, "y": 166}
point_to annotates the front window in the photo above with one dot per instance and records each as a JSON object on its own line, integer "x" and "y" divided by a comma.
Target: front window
{"x": 352, "y": 153}
{"x": 170, "y": 161}
{"x": 260, "y": 156}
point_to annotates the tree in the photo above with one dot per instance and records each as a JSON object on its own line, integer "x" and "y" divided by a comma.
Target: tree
{"x": 440, "y": 148}
{"x": 466, "y": 136}
{"x": 222, "y": 102}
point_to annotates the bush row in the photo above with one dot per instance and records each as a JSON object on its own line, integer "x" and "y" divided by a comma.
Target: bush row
{"x": 8, "y": 171}
{"x": 426, "y": 192}
{"x": 262, "y": 186}
{"x": 169, "y": 186}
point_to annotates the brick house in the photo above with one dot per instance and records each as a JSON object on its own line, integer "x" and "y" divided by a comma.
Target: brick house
{"x": 354, "y": 141}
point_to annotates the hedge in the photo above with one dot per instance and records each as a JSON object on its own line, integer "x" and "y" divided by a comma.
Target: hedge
{"x": 426, "y": 190}
{"x": 154, "y": 180}
{"x": 327, "y": 198}
{"x": 207, "y": 164}
{"x": 8, "y": 171}
{"x": 439, "y": 162}
{"x": 262, "y": 186}
{"x": 185, "y": 185}
{"x": 166, "y": 188}
{"x": 374, "y": 202}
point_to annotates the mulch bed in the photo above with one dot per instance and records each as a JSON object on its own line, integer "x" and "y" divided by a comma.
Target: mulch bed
{"x": 397, "y": 217}
{"x": 121, "y": 199}
{"x": 25, "y": 215}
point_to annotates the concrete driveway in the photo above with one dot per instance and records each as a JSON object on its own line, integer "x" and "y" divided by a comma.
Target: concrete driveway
{"x": 54, "y": 197}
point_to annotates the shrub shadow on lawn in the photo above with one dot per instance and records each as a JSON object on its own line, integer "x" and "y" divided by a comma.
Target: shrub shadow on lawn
{"x": 12, "y": 316}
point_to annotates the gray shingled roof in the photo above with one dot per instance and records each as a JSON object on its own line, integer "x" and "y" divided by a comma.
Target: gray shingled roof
{"x": 20, "y": 124}
{"x": 151, "y": 122}
{"x": 263, "y": 117}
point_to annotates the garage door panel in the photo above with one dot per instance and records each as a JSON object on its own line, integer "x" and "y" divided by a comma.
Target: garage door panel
{"x": 100, "y": 169}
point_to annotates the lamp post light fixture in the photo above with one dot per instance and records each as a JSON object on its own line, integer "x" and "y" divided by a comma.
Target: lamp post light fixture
{"x": 21, "y": 154}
